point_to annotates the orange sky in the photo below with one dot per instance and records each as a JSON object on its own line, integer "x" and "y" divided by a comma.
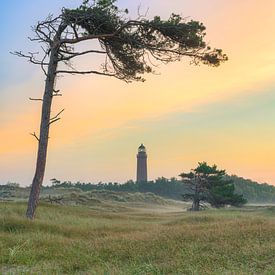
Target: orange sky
{"x": 184, "y": 115}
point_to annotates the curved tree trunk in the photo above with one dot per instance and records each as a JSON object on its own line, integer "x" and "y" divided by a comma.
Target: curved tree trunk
{"x": 44, "y": 134}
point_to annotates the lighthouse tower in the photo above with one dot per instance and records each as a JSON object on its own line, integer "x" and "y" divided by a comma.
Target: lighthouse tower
{"x": 141, "y": 164}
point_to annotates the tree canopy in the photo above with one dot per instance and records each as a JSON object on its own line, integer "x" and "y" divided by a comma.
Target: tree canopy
{"x": 131, "y": 47}
{"x": 129, "y": 44}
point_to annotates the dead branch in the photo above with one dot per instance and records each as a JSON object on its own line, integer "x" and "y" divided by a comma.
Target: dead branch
{"x": 43, "y": 59}
{"x": 36, "y": 99}
{"x": 54, "y": 120}
{"x": 84, "y": 72}
{"x": 84, "y": 38}
{"x": 34, "y": 134}
{"x": 72, "y": 55}
{"x": 56, "y": 116}
{"x": 31, "y": 58}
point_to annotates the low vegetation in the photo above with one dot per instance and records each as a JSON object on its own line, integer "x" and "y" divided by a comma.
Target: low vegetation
{"x": 84, "y": 239}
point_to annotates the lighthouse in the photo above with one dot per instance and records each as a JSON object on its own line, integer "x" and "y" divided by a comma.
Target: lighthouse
{"x": 141, "y": 164}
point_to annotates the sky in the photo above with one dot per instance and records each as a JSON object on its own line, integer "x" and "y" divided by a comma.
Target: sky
{"x": 184, "y": 114}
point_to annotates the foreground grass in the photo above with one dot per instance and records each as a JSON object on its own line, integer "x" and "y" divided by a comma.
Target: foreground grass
{"x": 80, "y": 240}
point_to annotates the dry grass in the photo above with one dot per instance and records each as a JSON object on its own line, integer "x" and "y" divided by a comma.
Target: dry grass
{"x": 85, "y": 240}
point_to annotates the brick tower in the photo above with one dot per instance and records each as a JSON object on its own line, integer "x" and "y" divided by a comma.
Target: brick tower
{"x": 141, "y": 164}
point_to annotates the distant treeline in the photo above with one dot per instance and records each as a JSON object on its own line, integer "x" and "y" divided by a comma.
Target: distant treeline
{"x": 168, "y": 188}
{"x": 253, "y": 191}
{"x": 173, "y": 188}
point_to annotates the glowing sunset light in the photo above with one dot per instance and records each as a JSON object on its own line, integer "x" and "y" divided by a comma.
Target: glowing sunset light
{"x": 184, "y": 114}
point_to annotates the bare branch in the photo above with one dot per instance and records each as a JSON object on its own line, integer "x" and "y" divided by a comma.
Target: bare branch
{"x": 34, "y": 134}
{"x": 31, "y": 58}
{"x": 84, "y": 72}
{"x": 45, "y": 56}
{"x": 36, "y": 99}
{"x": 46, "y": 26}
{"x": 140, "y": 15}
{"x": 56, "y": 116}
{"x": 54, "y": 120}
{"x": 86, "y": 37}
{"x": 39, "y": 30}
{"x": 72, "y": 55}
{"x": 75, "y": 31}
{"x": 34, "y": 39}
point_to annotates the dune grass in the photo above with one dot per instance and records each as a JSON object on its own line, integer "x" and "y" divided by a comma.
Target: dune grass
{"x": 81, "y": 240}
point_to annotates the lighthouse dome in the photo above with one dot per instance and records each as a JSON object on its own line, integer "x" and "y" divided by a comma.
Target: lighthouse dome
{"x": 141, "y": 148}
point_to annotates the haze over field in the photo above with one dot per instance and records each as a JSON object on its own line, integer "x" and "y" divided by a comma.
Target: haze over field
{"x": 187, "y": 114}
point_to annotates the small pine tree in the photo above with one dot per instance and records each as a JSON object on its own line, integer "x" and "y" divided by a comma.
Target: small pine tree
{"x": 208, "y": 184}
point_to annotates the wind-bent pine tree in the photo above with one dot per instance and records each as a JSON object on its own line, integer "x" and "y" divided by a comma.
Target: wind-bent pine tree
{"x": 128, "y": 46}
{"x": 207, "y": 184}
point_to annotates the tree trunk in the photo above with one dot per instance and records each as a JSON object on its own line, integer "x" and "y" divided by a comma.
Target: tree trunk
{"x": 196, "y": 205}
{"x": 196, "y": 200}
{"x": 44, "y": 134}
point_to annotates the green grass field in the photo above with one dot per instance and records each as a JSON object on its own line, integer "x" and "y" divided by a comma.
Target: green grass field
{"x": 136, "y": 240}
